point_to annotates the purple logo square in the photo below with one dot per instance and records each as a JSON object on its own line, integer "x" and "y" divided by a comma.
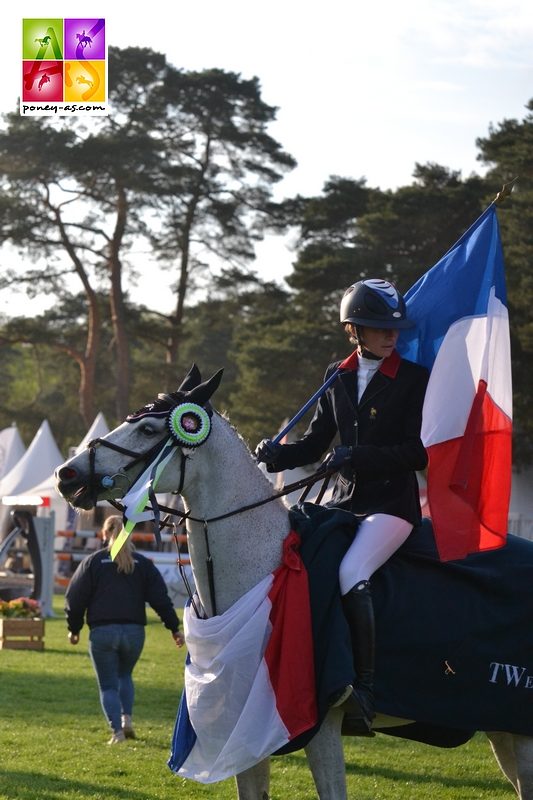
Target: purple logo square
{"x": 84, "y": 39}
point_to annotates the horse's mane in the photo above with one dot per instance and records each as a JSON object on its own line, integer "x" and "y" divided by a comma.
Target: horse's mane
{"x": 244, "y": 444}
{"x": 225, "y": 416}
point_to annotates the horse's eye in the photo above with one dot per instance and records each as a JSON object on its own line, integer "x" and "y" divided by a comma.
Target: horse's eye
{"x": 146, "y": 429}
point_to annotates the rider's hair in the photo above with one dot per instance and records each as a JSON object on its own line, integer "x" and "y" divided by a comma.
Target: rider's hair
{"x": 351, "y": 330}
{"x": 124, "y": 558}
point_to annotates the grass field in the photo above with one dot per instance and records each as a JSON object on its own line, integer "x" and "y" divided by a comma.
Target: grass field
{"x": 53, "y": 739}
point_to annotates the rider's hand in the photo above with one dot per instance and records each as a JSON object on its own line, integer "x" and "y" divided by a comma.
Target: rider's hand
{"x": 267, "y": 452}
{"x": 338, "y": 457}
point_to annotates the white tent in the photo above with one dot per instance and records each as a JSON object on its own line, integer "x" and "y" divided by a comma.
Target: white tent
{"x": 38, "y": 462}
{"x": 11, "y": 449}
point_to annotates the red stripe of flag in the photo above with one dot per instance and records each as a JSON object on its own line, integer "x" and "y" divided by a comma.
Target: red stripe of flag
{"x": 477, "y": 469}
{"x": 289, "y": 652}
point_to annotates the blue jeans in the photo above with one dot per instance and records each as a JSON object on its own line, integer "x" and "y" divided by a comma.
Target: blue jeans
{"x": 114, "y": 650}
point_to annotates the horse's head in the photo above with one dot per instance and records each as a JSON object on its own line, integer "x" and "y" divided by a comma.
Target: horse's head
{"x": 174, "y": 423}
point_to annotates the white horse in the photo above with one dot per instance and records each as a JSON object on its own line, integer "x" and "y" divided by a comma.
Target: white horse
{"x": 215, "y": 478}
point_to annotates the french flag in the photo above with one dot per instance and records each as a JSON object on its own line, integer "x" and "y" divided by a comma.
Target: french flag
{"x": 249, "y": 677}
{"x": 462, "y": 336}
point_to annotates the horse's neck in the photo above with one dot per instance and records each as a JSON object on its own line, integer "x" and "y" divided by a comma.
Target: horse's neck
{"x": 245, "y": 547}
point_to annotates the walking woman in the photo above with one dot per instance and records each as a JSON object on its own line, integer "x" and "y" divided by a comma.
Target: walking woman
{"x": 375, "y": 409}
{"x": 112, "y": 595}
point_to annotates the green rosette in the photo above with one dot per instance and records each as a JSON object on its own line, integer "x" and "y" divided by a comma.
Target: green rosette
{"x": 189, "y": 424}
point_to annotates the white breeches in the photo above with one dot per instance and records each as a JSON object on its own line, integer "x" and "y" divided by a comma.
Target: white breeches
{"x": 377, "y": 538}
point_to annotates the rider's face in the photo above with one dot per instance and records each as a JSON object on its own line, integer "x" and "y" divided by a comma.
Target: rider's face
{"x": 379, "y": 341}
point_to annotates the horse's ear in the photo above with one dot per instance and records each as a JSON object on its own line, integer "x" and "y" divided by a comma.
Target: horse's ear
{"x": 202, "y": 393}
{"x": 192, "y": 379}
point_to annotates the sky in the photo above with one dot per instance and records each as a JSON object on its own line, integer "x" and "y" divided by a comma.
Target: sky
{"x": 362, "y": 90}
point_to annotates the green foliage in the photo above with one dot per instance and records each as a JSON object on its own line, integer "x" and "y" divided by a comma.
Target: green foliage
{"x": 185, "y": 161}
{"x": 411, "y": 229}
{"x": 38, "y": 384}
{"x": 281, "y": 351}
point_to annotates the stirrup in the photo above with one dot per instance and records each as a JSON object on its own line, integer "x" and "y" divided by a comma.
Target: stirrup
{"x": 341, "y": 696}
{"x": 357, "y": 716}
{"x": 353, "y": 725}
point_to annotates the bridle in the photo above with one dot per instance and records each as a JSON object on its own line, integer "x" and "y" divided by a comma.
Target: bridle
{"x": 108, "y": 481}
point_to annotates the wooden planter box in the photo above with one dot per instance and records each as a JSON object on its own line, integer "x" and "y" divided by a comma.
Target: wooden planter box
{"x": 21, "y": 634}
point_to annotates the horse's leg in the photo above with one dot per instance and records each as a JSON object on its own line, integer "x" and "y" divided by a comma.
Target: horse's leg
{"x": 503, "y": 749}
{"x": 523, "y": 748}
{"x": 254, "y": 783}
{"x": 325, "y": 757}
{"x": 514, "y": 754}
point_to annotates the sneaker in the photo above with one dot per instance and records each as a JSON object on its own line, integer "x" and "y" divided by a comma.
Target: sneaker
{"x": 127, "y": 727}
{"x": 128, "y": 732}
{"x": 118, "y": 736}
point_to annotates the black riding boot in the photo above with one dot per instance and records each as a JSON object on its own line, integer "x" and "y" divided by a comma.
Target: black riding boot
{"x": 359, "y": 611}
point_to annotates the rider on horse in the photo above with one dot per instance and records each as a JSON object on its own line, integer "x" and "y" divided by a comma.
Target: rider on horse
{"x": 375, "y": 408}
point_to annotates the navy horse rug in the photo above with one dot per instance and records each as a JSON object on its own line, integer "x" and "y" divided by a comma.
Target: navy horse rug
{"x": 454, "y": 640}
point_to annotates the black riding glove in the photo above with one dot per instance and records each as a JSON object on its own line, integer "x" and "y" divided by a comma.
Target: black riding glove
{"x": 267, "y": 452}
{"x": 339, "y": 456}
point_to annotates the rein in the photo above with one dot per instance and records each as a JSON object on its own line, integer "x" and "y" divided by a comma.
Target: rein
{"x": 303, "y": 483}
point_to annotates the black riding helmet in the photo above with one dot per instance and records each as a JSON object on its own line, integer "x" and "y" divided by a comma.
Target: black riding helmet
{"x": 374, "y": 303}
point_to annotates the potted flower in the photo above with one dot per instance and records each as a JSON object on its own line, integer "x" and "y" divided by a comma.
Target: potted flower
{"x": 21, "y": 624}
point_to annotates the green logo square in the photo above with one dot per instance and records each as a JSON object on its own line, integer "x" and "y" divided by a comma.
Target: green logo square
{"x": 42, "y": 39}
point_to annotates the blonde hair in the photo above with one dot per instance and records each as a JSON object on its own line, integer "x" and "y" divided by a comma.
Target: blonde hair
{"x": 124, "y": 558}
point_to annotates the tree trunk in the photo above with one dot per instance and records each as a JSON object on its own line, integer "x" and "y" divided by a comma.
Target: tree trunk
{"x": 118, "y": 312}
{"x": 177, "y": 319}
{"x": 87, "y": 363}
{"x": 174, "y": 338}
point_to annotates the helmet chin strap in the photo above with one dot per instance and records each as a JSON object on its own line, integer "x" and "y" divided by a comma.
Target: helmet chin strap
{"x": 367, "y": 354}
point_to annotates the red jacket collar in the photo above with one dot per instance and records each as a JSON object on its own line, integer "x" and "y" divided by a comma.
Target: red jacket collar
{"x": 389, "y": 365}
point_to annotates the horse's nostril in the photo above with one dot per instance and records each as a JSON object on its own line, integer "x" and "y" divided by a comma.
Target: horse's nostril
{"x": 67, "y": 474}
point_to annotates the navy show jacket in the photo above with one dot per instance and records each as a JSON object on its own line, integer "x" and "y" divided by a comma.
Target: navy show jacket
{"x": 383, "y": 429}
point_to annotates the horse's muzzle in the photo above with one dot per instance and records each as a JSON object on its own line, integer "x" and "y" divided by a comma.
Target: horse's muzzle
{"x": 75, "y": 488}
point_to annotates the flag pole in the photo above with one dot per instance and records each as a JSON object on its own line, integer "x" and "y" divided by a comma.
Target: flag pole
{"x": 312, "y": 400}
{"x": 348, "y": 363}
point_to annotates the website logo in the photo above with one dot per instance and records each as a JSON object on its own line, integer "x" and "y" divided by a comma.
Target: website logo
{"x": 64, "y": 67}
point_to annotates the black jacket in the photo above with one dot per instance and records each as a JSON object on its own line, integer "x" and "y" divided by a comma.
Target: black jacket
{"x": 384, "y": 431}
{"x": 108, "y": 596}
